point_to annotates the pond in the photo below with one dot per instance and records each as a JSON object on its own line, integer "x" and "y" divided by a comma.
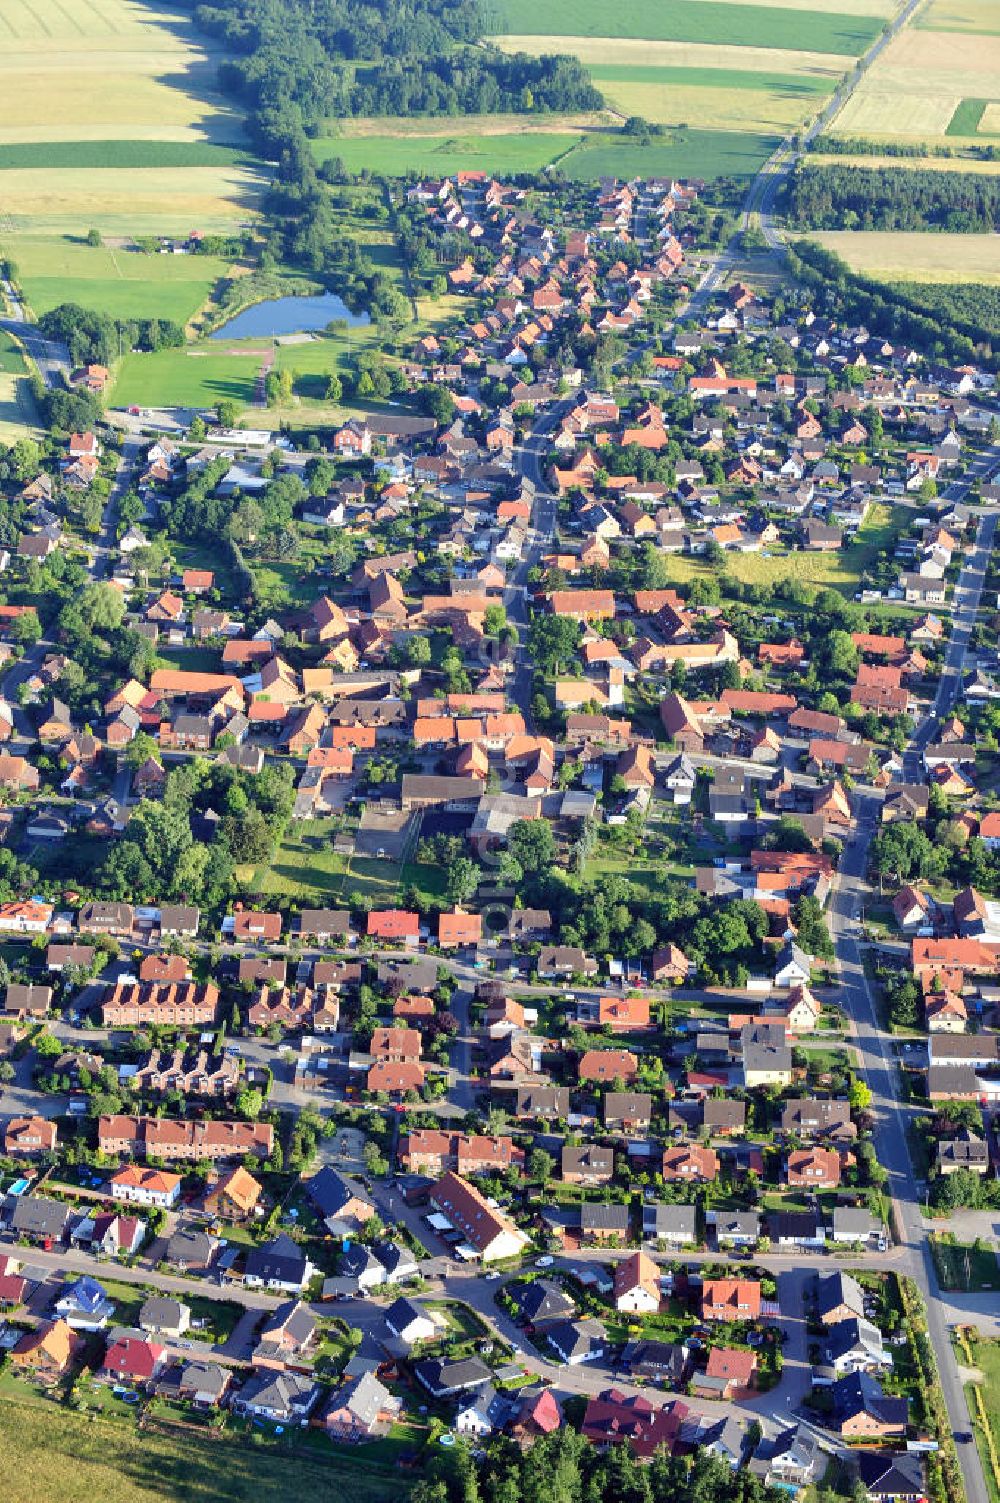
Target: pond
{"x": 289, "y": 315}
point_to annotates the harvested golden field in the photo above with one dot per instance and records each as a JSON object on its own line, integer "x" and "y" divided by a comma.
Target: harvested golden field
{"x": 925, "y": 164}
{"x": 989, "y": 125}
{"x": 960, "y": 15}
{"x": 141, "y": 201}
{"x": 917, "y": 256}
{"x": 916, "y": 86}
{"x": 668, "y": 103}
{"x": 636, "y": 52}
{"x": 76, "y": 69}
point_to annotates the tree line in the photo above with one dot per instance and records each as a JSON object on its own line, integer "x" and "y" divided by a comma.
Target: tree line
{"x": 869, "y": 198}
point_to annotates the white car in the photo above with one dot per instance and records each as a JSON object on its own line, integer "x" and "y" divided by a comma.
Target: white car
{"x": 545, "y": 1262}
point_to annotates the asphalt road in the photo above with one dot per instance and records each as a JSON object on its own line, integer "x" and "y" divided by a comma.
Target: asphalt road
{"x": 874, "y": 1045}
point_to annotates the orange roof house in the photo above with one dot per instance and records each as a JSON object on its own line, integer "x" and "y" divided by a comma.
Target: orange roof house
{"x": 813, "y": 1168}
{"x": 459, "y": 929}
{"x": 623, "y": 1014}
{"x": 730, "y": 1299}
{"x": 690, "y": 1163}
{"x": 393, "y": 924}
{"x": 47, "y": 1350}
{"x": 608, "y": 1064}
{"x": 583, "y": 605}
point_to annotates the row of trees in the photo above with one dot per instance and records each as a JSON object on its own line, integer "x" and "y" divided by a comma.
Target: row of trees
{"x": 96, "y": 338}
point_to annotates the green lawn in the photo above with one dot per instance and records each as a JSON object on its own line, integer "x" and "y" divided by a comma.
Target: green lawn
{"x": 305, "y": 867}
{"x": 984, "y": 1404}
{"x": 56, "y": 269}
{"x": 962, "y": 1266}
{"x": 692, "y": 21}
{"x": 52, "y": 1455}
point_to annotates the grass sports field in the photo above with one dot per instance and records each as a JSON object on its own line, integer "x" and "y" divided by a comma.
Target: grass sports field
{"x": 110, "y": 116}
{"x": 930, "y": 84}
{"x": 916, "y": 257}
{"x": 58, "y": 269}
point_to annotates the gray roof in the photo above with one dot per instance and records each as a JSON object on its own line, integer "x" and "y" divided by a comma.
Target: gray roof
{"x": 35, "y": 1216}
{"x": 440, "y": 1376}
{"x": 282, "y": 1392}
{"x": 677, "y": 1223}
{"x": 576, "y": 1338}
{"x": 613, "y": 1218}
{"x": 365, "y": 1397}
{"x": 850, "y": 1222}
{"x": 160, "y": 1313}
{"x": 839, "y": 1289}
{"x": 542, "y": 1300}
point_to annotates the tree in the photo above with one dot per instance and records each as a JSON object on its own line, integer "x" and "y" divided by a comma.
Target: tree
{"x": 249, "y": 1102}
{"x": 494, "y": 620}
{"x": 903, "y": 851}
{"x": 540, "y": 1165}
{"x": 437, "y": 402}
{"x": 552, "y": 641}
{"x": 334, "y": 388}
{"x": 228, "y": 411}
{"x": 375, "y": 1161}
{"x": 859, "y": 1095}
{"x": 532, "y": 845}
{"x": 463, "y": 879}
{"x": 94, "y": 238}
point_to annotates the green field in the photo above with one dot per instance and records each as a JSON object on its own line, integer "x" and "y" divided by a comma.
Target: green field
{"x": 449, "y": 152}
{"x": 693, "y": 21}
{"x": 961, "y": 15}
{"x": 51, "y": 1455}
{"x": 77, "y": 154}
{"x": 684, "y": 153}
{"x": 968, "y": 117}
{"x": 590, "y": 154}
{"x": 60, "y": 269}
{"x": 17, "y": 409}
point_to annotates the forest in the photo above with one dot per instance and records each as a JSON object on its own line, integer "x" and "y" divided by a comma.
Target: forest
{"x": 869, "y": 198}
{"x": 312, "y": 58}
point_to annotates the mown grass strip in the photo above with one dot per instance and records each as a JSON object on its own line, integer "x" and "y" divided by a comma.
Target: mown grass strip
{"x": 712, "y": 78}
{"x": 968, "y": 117}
